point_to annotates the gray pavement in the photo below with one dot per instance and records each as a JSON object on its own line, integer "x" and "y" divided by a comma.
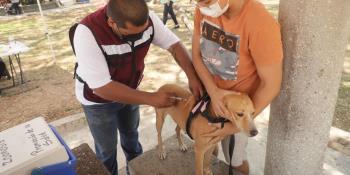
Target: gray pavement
{"x": 76, "y": 132}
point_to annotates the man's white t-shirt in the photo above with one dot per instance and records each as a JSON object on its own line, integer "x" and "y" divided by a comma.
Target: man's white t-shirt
{"x": 92, "y": 65}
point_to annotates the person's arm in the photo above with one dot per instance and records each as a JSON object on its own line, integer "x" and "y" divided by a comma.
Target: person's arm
{"x": 183, "y": 59}
{"x": 202, "y": 71}
{"x": 214, "y": 92}
{"x": 269, "y": 87}
{"x": 166, "y": 39}
{"x": 266, "y": 50}
{"x": 115, "y": 91}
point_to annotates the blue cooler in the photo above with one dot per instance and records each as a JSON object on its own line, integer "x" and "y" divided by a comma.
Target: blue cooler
{"x": 63, "y": 168}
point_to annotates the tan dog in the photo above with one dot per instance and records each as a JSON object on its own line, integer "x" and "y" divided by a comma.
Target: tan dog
{"x": 240, "y": 107}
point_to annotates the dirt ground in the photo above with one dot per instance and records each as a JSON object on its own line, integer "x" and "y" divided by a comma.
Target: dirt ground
{"x": 49, "y": 87}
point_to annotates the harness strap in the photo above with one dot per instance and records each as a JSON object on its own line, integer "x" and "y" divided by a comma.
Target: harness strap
{"x": 194, "y": 112}
{"x": 231, "y": 147}
{"x": 71, "y": 35}
{"x": 205, "y": 113}
{"x": 75, "y": 70}
{"x": 188, "y": 124}
{"x": 79, "y": 79}
{"x": 211, "y": 119}
{"x": 71, "y": 40}
{"x": 201, "y": 107}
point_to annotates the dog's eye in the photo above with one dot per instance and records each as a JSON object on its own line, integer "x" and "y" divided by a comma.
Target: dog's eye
{"x": 253, "y": 113}
{"x": 240, "y": 114}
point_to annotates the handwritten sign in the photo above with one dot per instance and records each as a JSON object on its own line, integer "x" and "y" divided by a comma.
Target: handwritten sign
{"x": 27, "y": 146}
{"x": 6, "y": 157}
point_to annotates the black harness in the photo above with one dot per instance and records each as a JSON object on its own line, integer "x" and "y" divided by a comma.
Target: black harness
{"x": 202, "y": 108}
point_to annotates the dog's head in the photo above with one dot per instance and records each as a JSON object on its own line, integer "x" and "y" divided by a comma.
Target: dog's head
{"x": 242, "y": 111}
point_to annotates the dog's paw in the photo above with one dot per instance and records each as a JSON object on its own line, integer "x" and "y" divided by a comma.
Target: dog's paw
{"x": 162, "y": 155}
{"x": 183, "y": 148}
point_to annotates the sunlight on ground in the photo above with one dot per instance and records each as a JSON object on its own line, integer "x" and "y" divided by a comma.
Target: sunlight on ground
{"x": 347, "y": 84}
{"x": 331, "y": 170}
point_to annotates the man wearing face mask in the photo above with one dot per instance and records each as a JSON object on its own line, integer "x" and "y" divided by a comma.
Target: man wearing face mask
{"x": 110, "y": 46}
{"x": 237, "y": 47}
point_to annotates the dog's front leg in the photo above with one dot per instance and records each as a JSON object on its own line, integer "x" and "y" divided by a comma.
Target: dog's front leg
{"x": 207, "y": 158}
{"x": 199, "y": 157}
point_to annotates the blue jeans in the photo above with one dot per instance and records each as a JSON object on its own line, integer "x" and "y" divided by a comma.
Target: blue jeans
{"x": 104, "y": 121}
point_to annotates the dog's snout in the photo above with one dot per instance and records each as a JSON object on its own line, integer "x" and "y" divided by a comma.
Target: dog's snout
{"x": 253, "y": 133}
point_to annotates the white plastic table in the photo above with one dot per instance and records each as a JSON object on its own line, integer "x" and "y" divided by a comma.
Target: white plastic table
{"x": 12, "y": 50}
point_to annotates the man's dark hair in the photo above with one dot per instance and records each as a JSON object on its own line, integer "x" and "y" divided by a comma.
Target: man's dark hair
{"x": 133, "y": 11}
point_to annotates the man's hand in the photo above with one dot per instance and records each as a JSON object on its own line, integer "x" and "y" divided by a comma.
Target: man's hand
{"x": 162, "y": 99}
{"x": 217, "y": 99}
{"x": 219, "y": 133}
{"x": 228, "y": 129}
{"x": 196, "y": 87}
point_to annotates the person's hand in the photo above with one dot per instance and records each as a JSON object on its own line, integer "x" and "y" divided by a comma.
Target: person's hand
{"x": 162, "y": 99}
{"x": 196, "y": 87}
{"x": 219, "y": 133}
{"x": 217, "y": 99}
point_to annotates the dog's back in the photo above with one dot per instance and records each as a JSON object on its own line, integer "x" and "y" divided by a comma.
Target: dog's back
{"x": 180, "y": 111}
{"x": 177, "y": 90}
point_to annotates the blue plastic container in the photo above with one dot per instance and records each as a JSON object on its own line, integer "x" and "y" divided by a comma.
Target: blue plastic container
{"x": 63, "y": 168}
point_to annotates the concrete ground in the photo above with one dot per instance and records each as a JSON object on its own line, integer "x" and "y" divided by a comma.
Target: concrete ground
{"x": 75, "y": 132}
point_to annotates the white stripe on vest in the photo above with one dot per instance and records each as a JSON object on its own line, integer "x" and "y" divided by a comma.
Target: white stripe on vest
{"x": 125, "y": 48}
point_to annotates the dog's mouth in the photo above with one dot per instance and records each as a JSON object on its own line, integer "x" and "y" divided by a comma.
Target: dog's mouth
{"x": 249, "y": 129}
{"x": 252, "y": 131}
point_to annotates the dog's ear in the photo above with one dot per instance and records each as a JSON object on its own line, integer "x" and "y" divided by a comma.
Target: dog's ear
{"x": 226, "y": 101}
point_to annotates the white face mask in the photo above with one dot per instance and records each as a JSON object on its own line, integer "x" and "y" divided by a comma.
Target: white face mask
{"x": 214, "y": 10}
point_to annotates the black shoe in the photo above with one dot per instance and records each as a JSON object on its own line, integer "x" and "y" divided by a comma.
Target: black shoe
{"x": 177, "y": 26}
